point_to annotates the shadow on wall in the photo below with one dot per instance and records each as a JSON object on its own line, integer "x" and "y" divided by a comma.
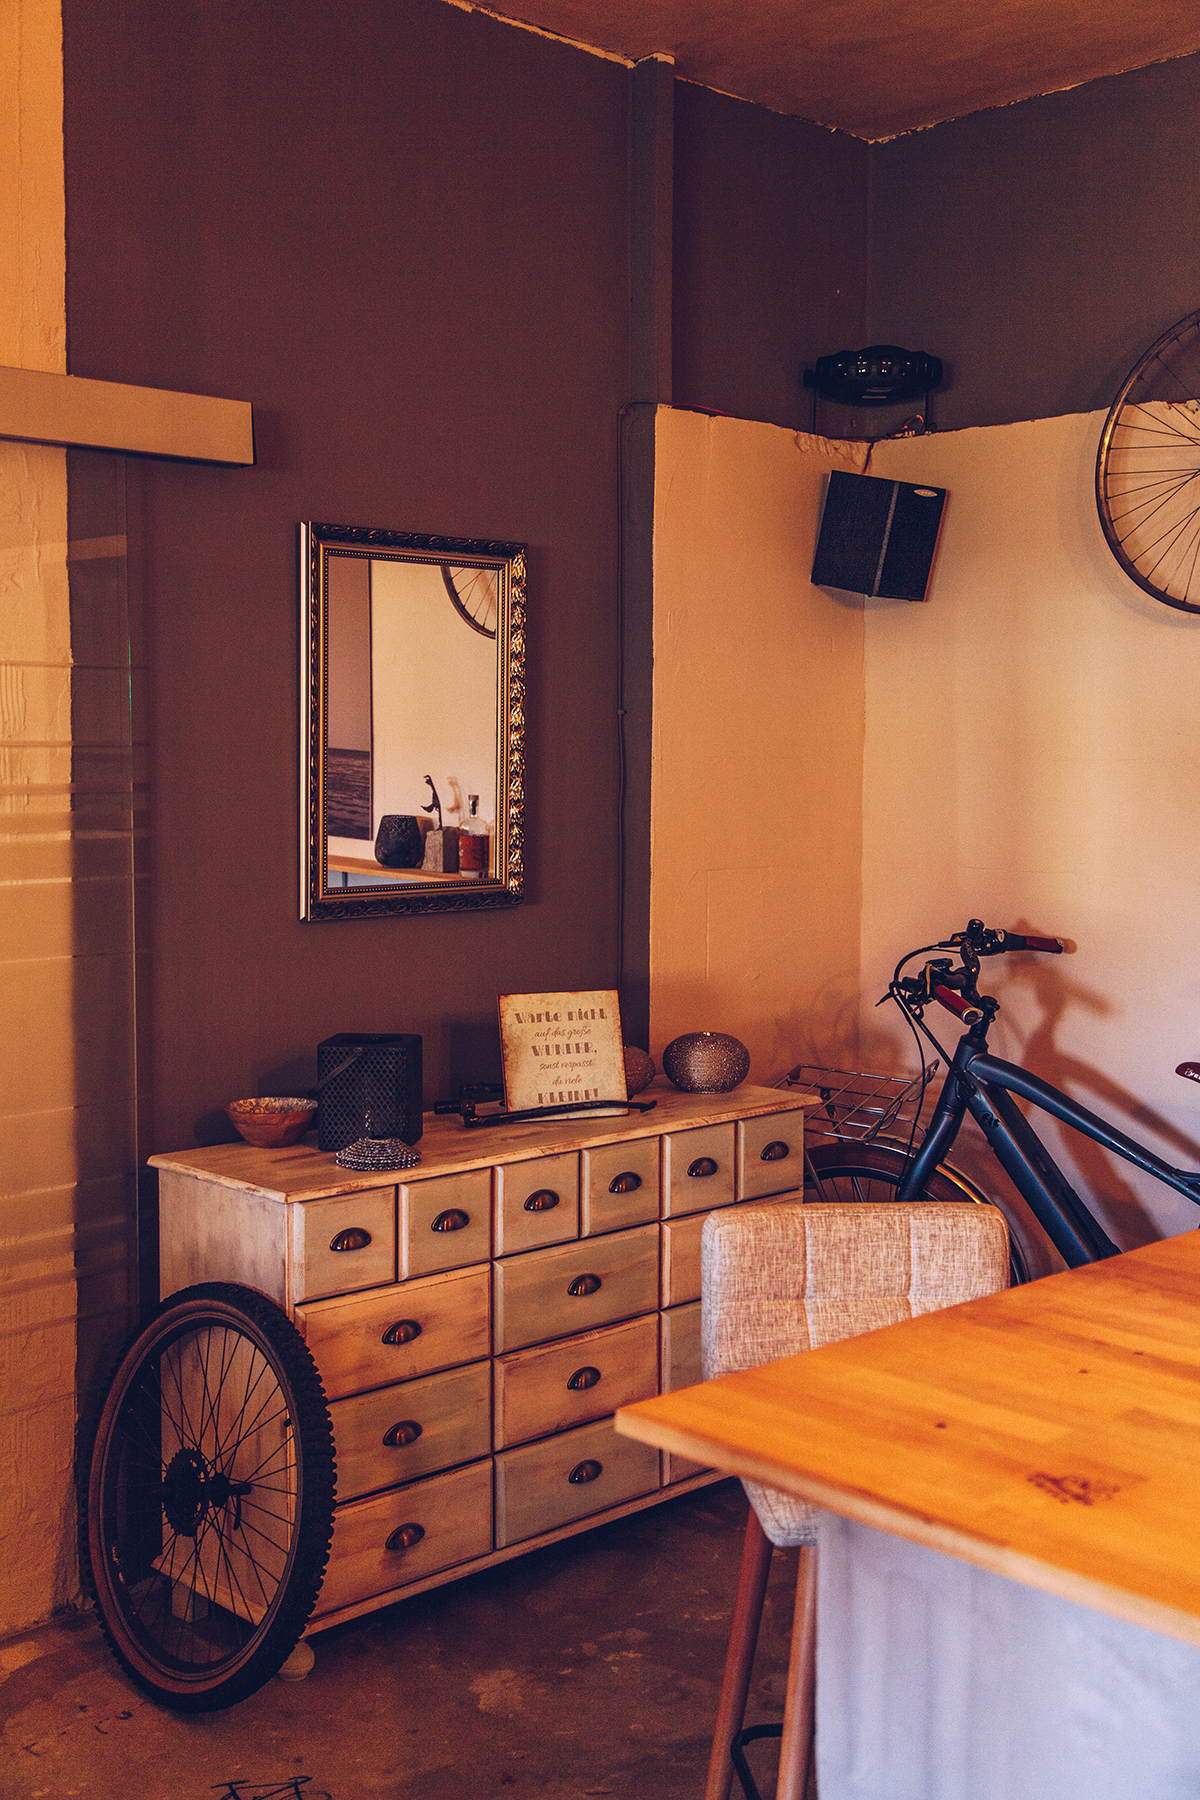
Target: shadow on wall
{"x": 1102, "y": 1176}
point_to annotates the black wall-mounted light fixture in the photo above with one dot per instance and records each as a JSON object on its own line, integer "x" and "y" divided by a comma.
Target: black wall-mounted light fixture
{"x": 880, "y": 375}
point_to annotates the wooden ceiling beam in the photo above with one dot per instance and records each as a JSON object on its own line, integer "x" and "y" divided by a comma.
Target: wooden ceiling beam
{"x": 41, "y": 408}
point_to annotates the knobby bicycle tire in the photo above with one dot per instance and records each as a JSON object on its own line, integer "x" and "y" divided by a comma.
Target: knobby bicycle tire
{"x": 875, "y": 1171}
{"x": 208, "y": 1489}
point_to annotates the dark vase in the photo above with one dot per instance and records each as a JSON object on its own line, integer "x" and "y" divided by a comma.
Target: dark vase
{"x": 399, "y": 844}
{"x": 706, "y": 1062}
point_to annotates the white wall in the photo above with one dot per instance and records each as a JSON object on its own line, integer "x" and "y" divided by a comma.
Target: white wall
{"x": 40, "y": 1157}
{"x": 1032, "y": 758}
{"x": 434, "y": 705}
{"x": 757, "y": 748}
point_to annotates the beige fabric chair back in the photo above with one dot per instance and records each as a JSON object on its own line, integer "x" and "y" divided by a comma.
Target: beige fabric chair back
{"x": 790, "y": 1275}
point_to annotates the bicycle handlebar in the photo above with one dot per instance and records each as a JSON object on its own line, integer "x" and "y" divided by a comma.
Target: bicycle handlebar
{"x": 969, "y": 1014}
{"x": 1013, "y": 940}
{"x": 956, "y": 990}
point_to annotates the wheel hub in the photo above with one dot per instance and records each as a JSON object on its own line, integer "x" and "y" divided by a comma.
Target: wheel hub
{"x": 191, "y": 1486}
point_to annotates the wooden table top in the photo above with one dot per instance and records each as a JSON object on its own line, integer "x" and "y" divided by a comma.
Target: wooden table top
{"x": 302, "y": 1172}
{"x": 1050, "y": 1433}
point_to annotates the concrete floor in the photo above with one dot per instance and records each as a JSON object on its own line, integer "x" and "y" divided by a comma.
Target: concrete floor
{"x": 587, "y": 1669}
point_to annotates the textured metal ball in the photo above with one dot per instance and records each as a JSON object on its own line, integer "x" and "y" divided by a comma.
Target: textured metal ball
{"x": 639, "y": 1070}
{"x": 706, "y": 1062}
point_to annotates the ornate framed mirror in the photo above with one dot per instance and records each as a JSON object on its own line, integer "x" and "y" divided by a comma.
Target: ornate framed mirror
{"x": 412, "y": 732}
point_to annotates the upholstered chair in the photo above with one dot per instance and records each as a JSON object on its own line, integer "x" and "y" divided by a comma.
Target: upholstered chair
{"x": 787, "y": 1276}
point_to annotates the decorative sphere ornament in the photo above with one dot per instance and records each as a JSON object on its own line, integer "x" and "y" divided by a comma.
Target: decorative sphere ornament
{"x": 639, "y": 1070}
{"x": 706, "y": 1062}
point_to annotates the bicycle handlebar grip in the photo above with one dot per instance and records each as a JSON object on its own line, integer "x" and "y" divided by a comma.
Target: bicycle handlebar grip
{"x": 1013, "y": 940}
{"x": 969, "y": 1014}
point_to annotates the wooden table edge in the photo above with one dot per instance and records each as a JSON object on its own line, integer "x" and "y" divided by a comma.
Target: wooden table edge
{"x": 643, "y": 1422}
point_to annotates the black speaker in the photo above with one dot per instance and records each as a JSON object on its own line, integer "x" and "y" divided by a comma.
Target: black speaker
{"x": 878, "y": 537}
{"x": 370, "y": 1086}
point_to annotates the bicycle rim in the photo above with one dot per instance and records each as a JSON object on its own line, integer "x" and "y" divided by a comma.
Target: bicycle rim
{"x": 209, "y": 1503}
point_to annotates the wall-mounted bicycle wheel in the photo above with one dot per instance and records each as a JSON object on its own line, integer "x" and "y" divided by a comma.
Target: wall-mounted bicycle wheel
{"x": 209, "y": 1499}
{"x": 1148, "y": 469}
{"x": 474, "y": 594}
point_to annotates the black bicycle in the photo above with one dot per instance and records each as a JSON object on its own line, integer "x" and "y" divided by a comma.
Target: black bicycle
{"x": 986, "y": 1087}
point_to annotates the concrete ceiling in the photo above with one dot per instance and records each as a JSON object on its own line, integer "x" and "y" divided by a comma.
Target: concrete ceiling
{"x": 875, "y": 68}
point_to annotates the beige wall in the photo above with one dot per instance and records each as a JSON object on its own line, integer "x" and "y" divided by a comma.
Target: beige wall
{"x": 757, "y": 749}
{"x": 1033, "y": 759}
{"x": 1024, "y": 748}
{"x": 37, "y": 1076}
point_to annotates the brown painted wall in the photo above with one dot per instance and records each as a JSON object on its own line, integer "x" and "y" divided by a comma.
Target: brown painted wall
{"x": 1040, "y": 248}
{"x": 400, "y": 231}
{"x": 770, "y": 254}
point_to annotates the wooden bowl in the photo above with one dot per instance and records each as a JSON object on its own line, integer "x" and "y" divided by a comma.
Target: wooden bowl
{"x": 272, "y": 1123}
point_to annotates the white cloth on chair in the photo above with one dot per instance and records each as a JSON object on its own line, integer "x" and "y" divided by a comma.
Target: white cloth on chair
{"x": 937, "y": 1680}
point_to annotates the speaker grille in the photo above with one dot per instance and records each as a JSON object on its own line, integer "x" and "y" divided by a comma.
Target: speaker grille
{"x": 878, "y": 537}
{"x": 377, "y": 1094}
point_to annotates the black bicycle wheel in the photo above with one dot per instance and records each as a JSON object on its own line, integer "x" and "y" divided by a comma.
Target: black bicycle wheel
{"x": 875, "y": 1171}
{"x": 474, "y": 594}
{"x": 1148, "y": 469}
{"x": 208, "y": 1507}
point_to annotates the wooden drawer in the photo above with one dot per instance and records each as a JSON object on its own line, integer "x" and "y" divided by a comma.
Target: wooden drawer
{"x": 365, "y": 1222}
{"x": 615, "y": 1277}
{"x": 534, "y": 1395}
{"x": 610, "y": 1199}
{"x": 681, "y": 1348}
{"x": 770, "y": 1155}
{"x": 449, "y": 1411}
{"x": 434, "y": 1323}
{"x": 453, "y": 1514}
{"x": 535, "y": 1492}
{"x": 536, "y": 1203}
{"x": 680, "y": 1368}
{"x": 445, "y": 1223}
{"x": 699, "y": 1169}
{"x": 681, "y": 1259}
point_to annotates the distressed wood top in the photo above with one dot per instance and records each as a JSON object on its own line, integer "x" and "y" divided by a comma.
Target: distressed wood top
{"x": 302, "y": 1172}
{"x": 1050, "y": 1433}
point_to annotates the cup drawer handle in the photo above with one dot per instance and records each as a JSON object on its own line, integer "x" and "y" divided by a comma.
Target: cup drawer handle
{"x": 545, "y": 1200}
{"x": 405, "y": 1536}
{"x": 452, "y": 1220}
{"x": 585, "y": 1471}
{"x": 584, "y": 1378}
{"x": 402, "y": 1332}
{"x": 406, "y": 1432}
{"x": 584, "y": 1284}
{"x": 353, "y": 1238}
{"x": 625, "y": 1183}
{"x": 776, "y": 1151}
{"x": 703, "y": 1165}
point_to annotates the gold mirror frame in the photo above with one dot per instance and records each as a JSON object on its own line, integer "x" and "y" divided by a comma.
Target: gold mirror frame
{"x": 453, "y": 561}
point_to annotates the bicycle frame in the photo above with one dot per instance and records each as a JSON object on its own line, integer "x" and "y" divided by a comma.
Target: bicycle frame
{"x": 983, "y": 1085}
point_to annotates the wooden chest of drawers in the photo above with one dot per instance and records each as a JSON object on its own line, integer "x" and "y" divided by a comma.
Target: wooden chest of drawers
{"x": 477, "y": 1322}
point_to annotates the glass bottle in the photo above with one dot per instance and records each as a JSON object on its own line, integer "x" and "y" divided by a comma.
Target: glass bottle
{"x": 473, "y": 841}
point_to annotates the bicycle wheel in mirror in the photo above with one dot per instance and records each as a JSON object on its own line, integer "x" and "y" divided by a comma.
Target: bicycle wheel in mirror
{"x": 209, "y": 1501}
{"x": 1148, "y": 469}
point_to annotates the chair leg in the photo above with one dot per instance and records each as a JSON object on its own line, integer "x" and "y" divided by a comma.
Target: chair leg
{"x": 739, "y": 1658}
{"x": 799, "y": 1716}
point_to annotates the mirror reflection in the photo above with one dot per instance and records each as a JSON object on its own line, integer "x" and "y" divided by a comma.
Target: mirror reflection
{"x": 414, "y": 717}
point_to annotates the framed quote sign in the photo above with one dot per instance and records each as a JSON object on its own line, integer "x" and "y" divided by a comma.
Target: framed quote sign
{"x": 562, "y": 1050}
